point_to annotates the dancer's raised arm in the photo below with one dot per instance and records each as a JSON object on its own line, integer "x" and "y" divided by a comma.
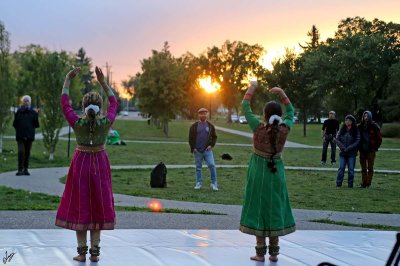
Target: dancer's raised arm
{"x": 112, "y": 107}
{"x": 252, "y": 120}
{"x": 66, "y": 107}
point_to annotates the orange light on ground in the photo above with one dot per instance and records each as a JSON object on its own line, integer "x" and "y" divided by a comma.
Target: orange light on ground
{"x": 208, "y": 85}
{"x": 155, "y": 205}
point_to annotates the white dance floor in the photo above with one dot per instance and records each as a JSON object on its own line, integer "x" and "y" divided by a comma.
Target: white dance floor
{"x": 195, "y": 247}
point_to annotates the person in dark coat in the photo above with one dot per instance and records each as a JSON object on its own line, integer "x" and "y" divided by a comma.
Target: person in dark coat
{"x": 371, "y": 140}
{"x": 25, "y": 121}
{"x": 347, "y": 139}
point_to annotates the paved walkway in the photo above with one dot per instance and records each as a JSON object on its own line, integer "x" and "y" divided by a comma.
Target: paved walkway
{"x": 46, "y": 180}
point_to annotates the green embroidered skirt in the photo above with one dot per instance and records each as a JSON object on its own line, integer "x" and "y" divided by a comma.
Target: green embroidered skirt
{"x": 266, "y": 208}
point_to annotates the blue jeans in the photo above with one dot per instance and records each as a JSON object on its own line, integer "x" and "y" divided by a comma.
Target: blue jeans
{"x": 350, "y": 162}
{"x": 209, "y": 158}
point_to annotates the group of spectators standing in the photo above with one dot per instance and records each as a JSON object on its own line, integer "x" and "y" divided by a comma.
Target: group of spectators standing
{"x": 364, "y": 138}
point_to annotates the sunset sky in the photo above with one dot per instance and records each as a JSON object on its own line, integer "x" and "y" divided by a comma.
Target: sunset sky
{"x": 123, "y": 32}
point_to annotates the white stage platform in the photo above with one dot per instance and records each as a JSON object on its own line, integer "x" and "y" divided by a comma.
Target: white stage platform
{"x": 196, "y": 247}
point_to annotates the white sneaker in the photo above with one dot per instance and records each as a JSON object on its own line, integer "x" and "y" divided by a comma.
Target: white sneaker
{"x": 198, "y": 185}
{"x": 214, "y": 187}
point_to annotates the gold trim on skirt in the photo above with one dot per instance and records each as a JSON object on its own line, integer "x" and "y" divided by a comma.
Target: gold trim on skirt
{"x": 90, "y": 149}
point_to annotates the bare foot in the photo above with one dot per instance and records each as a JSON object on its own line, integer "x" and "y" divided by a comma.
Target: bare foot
{"x": 80, "y": 258}
{"x": 258, "y": 258}
{"x": 94, "y": 258}
{"x": 273, "y": 258}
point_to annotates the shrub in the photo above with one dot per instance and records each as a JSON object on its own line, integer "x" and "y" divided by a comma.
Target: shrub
{"x": 391, "y": 130}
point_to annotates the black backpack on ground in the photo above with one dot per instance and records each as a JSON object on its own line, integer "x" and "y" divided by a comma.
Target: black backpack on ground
{"x": 158, "y": 176}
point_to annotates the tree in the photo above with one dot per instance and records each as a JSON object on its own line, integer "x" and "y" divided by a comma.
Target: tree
{"x": 288, "y": 73}
{"x": 314, "y": 39}
{"x": 195, "y": 95}
{"x": 51, "y": 74}
{"x": 360, "y": 56}
{"x": 129, "y": 86}
{"x": 391, "y": 104}
{"x": 160, "y": 92}
{"x": 6, "y": 87}
{"x": 27, "y": 59}
{"x": 230, "y": 66}
{"x": 350, "y": 72}
{"x": 297, "y": 75}
{"x": 85, "y": 77}
{"x": 41, "y": 74}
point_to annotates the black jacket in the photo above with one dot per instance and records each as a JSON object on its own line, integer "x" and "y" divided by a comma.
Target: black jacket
{"x": 25, "y": 122}
{"x": 212, "y": 137}
{"x": 348, "y": 142}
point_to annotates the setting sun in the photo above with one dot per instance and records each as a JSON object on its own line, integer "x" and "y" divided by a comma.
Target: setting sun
{"x": 123, "y": 93}
{"x": 208, "y": 85}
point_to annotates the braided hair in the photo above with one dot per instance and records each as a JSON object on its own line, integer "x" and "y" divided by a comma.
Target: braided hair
{"x": 272, "y": 108}
{"x": 95, "y": 99}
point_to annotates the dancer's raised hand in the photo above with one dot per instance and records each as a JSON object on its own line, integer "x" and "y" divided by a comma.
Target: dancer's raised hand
{"x": 73, "y": 73}
{"x": 99, "y": 75}
{"x": 276, "y": 90}
{"x": 252, "y": 87}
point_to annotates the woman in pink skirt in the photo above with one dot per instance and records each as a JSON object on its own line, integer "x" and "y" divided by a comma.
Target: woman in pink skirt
{"x": 87, "y": 202}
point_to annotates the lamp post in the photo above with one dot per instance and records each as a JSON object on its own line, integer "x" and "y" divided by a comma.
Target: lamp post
{"x": 210, "y": 104}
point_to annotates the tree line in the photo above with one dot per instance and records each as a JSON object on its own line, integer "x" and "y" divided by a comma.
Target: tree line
{"x": 357, "y": 69}
{"x": 36, "y": 71}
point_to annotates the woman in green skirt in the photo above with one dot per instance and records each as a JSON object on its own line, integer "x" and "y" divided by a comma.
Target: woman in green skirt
{"x": 266, "y": 208}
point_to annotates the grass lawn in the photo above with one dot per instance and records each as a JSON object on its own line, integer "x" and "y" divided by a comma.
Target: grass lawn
{"x": 18, "y": 199}
{"x": 307, "y": 189}
{"x": 371, "y": 226}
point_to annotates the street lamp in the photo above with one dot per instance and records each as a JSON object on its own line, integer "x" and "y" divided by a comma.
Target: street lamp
{"x": 209, "y": 86}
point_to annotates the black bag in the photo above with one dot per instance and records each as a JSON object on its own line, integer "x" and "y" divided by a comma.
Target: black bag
{"x": 158, "y": 176}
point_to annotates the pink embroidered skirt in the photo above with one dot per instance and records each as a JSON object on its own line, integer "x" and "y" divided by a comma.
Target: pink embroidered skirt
{"x": 87, "y": 202}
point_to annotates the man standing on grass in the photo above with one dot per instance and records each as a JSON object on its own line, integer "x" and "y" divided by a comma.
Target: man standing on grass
{"x": 329, "y": 131}
{"x": 202, "y": 139}
{"x": 25, "y": 121}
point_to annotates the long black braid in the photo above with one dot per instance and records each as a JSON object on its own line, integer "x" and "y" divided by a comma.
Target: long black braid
{"x": 270, "y": 109}
{"x": 95, "y": 99}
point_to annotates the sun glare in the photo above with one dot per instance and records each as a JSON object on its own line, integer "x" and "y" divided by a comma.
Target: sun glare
{"x": 123, "y": 94}
{"x": 208, "y": 85}
{"x": 268, "y": 58}
{"x": 250, "y": 77}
